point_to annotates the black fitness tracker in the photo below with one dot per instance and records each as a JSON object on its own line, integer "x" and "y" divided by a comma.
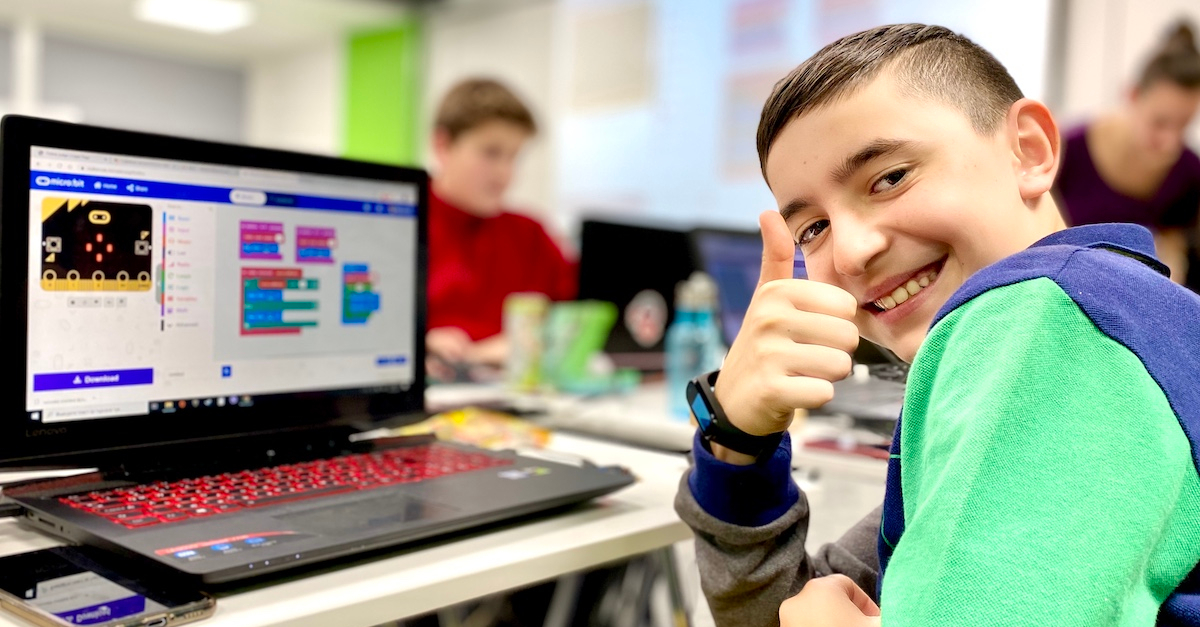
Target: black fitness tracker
{"x": 715, "y": 427}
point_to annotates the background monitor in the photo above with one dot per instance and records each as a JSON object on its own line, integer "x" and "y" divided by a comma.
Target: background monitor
{"x": 635, "y": 266}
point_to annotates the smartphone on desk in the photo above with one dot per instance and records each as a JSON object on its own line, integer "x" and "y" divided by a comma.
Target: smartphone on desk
{"x": 71, "y": 585}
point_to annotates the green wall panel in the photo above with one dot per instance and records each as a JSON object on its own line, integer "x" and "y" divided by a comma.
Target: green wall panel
{"x": 383, "y": 94}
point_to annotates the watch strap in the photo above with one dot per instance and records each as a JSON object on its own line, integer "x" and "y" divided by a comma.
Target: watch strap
{"x": 720, "y": 429}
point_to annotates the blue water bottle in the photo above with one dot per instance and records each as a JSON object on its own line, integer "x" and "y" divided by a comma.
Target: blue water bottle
{"x": 683, "y": 351}
{"x": 693, "y": 341}
{"x": 704, "y": 296}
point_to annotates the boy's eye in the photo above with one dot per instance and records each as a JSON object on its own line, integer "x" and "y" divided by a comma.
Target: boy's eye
{"x": 811, "y": 232}
{"x": 889, "y": 180}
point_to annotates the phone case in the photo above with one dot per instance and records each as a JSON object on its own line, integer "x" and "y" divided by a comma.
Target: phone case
{"x": 182, "y": 615}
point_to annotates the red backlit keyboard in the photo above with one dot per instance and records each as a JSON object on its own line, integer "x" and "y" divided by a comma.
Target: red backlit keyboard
{"x": 168, "y": 502}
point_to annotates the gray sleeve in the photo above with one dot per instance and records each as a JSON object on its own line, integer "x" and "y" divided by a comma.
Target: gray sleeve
{"x": 747, "y": 572}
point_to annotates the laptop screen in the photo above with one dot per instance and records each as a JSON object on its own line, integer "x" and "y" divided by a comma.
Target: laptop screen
{"x": 166, "y": 286}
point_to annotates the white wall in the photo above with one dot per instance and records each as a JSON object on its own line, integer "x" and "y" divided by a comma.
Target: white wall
{"x": 684, "y": 152}
{"x": 135, "y": 90}
{"x": 660, "y": 151}
{"x": 512, "y": 43}
{"x": 291, "y": 100}
{"x": 1108, "y": 41}
{"x": 6, "y": 56}
{"x": 612, "y": 158}
{"x": 295, "y": 100}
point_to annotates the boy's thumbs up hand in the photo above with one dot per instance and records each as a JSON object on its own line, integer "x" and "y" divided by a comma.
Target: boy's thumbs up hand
{"x": 795, "y": 341}
{"x": 779, "y": 251}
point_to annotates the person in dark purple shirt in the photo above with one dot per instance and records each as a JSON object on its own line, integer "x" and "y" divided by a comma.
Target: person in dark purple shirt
{"x": 1132, "y": 165}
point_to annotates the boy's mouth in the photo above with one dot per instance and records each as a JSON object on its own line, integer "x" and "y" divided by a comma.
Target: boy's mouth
{"x": 900, "y": 290}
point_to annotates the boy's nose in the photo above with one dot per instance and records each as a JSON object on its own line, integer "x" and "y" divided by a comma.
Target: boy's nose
{"x": 855, "y": 244}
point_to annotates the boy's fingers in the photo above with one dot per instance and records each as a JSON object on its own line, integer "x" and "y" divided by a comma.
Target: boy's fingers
{"x": 817, "y": 297}
{"x": 779, "y": 251}
{"x": 800, "y": 391}
{"x": 822, "y": 362}
{"x": 449, "y": 343}
{"x": 856, "y": 595}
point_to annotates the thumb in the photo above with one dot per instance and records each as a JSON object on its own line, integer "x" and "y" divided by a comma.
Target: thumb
{"x": 779, "y": 251}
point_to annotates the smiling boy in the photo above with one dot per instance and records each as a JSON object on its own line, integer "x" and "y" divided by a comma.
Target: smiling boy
{"x": 1042, "y": 472}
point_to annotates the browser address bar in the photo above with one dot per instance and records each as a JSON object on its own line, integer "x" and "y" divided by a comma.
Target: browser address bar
{"x": 86, "y": 168}
{"x": 99, "y": 169}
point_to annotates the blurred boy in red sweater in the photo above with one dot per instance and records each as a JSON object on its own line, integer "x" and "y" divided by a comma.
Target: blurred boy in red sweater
{"x": 479, "y": 253}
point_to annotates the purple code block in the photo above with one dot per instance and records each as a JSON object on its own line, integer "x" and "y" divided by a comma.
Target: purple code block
{"x": 315, "y": 244}
{"x": 261, "y": 240}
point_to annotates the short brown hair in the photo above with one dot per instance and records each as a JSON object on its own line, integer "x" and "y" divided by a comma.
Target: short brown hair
{"x": 476, "y": 101}
{"x": 1177, "y": 61}
{"x": 930, "y": 61}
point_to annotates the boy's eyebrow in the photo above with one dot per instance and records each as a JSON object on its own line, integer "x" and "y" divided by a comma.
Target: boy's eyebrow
{"x": 873, "y": 150}
{"x": 877, "y": 148}
{"x": 792, "y": 208}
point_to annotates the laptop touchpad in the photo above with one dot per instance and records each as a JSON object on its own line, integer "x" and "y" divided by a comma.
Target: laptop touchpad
{"x": 366, "y": 514}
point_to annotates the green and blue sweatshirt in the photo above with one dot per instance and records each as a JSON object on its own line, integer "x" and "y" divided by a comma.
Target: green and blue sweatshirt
{"x": 1045, "y": 468}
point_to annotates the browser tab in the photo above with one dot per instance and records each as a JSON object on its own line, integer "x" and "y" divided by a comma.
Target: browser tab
{"x": 267, "y": 175}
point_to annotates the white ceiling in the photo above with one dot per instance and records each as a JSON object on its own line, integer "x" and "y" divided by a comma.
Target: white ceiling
{"x": 281, "y": 26}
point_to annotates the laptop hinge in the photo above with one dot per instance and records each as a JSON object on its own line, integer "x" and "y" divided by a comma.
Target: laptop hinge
{"x": 193, "y": 460}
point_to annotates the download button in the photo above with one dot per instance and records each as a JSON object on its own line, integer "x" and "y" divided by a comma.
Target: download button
{"x": 92, "y": 379}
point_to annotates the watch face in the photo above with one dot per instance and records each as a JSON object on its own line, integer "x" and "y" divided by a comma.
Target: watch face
{"x": 699, "y": 409}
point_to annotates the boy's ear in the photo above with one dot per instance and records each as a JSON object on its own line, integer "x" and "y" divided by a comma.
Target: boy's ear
{"x": 1131, "y": 94}
{"x": 441, "y": 143}
{"x": 1035, "y": 145}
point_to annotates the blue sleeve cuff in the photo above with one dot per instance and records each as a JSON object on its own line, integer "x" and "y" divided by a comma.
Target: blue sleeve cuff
{"x": 748, "y": 496}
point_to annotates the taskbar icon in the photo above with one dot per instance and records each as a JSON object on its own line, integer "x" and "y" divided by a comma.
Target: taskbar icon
{"x": 173, "y": 406}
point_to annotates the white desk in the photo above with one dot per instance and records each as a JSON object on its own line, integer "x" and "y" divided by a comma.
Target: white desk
{"x": 841, "y": 487}
{"x": 635, "y": 520}
{"x": 845, "y": 489}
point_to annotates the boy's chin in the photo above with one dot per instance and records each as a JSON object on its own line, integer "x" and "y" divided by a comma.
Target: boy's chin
{"x": 486, "y": 207}
{"x": 904, "y": 348}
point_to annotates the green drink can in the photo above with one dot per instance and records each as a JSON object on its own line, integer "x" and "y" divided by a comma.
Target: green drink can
{"x": 524, "y": 319}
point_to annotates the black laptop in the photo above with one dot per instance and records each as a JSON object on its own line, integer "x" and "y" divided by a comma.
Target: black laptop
{"x": 734, "y": 259}
{"x": 635, "y": 265}
{"x": 213, "y": 327}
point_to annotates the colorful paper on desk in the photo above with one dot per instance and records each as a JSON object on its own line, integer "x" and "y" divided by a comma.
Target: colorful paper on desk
{"x": 483, "y": 428}
{"x": 855, "y": 448}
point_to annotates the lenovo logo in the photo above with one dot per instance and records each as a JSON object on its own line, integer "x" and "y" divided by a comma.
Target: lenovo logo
{"x": 37, "y": 433}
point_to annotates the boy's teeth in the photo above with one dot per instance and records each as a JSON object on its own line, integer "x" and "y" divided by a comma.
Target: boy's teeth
{"x": 905, "y": 292}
